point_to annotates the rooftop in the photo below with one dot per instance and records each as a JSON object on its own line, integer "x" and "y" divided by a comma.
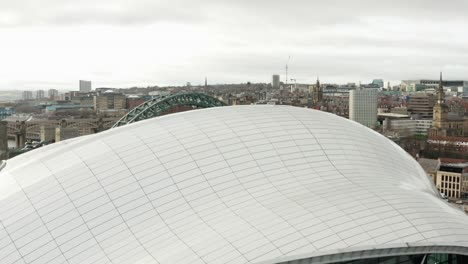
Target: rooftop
{"x": 429, "y": 165}
{"x": 393, "y": 115}
{"x": 242, "y": 184}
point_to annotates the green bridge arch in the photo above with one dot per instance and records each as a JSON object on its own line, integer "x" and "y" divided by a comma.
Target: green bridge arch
{"x": 158, "y": 106}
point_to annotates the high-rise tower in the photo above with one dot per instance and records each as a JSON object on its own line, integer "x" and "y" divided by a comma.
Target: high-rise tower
{"x": 85, "y": 86}
{"x": 275, "y": 81}
{"x": 363, "y": 106}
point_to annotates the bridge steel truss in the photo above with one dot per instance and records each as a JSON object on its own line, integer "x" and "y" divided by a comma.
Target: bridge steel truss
{"x": 158, "y": 106}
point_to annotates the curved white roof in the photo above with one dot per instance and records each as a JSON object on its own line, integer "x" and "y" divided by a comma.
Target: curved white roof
{"x": 246, "y": 184}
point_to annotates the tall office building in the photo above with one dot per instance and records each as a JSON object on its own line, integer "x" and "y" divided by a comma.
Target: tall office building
{"x": 40, "y": 94}
{"x": 85, "y": 86}
{"x": 421, "y": 104}
{"x": 363, "y": 106}
{"x": 275, "y": 81}
{"x": 53, "y": 94}
{"x": 27, "y": 95}
{"x": 109, "y": 100}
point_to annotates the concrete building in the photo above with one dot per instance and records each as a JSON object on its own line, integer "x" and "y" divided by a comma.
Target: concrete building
{"x": 421, "y": 105}
{"x": 85, "y": 86}
{"x": 82, "y": 100}
{"x": 27, "y": 95}
{"x": 53, "y": 94}
{"x": 408, "y": 127}
{"x": 275, "y": 81}
{"x": 416, "y": 87}
{"x": 40, "y": 94}
{"x": 450, "y": 176}
{"x": 134, "y": 101}
{"x": 399, "y": 110}
{"x": 454, "y": 145}
{"x": 237, "y": 185}
{"x": 70, "y": 109}
{"x": 77, "y": 94}
{"x": 363, "y": 106}
{"x": 449, "y": 181}
{"x": 109, "y": 100}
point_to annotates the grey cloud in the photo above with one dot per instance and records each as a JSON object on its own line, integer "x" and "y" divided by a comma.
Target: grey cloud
{"x": 299, "y": 13}
{"x": 342, "y": 40}
{"x": 109, "y": 12}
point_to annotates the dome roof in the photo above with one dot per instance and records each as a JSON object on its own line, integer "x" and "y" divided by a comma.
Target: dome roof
{"x": 245, "y": 184}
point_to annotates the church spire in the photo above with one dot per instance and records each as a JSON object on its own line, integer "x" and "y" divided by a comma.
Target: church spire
{"x": 440, "y": 92}
{"x": 318, "y": 94}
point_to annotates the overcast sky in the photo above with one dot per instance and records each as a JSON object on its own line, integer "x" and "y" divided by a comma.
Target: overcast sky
{"x": 120, "y": 43}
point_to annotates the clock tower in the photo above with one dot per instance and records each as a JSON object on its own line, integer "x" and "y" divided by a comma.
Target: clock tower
{"x": 317, "y": 93}
{"x": 440, "y": 109}
{"x": 440, "y": 124}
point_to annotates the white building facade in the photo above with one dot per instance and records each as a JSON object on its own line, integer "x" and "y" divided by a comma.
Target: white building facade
{"x": 85, "y": 86}
{"x": 363, "y": 106}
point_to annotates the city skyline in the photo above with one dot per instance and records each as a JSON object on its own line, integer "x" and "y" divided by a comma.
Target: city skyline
{"x": 142, "y": 43}
{"x": 360, "y": 83}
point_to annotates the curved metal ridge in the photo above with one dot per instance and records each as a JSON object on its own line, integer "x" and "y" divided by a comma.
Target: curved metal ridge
{"x": 155, "y": 107}
{"x": 362, "y": 253}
